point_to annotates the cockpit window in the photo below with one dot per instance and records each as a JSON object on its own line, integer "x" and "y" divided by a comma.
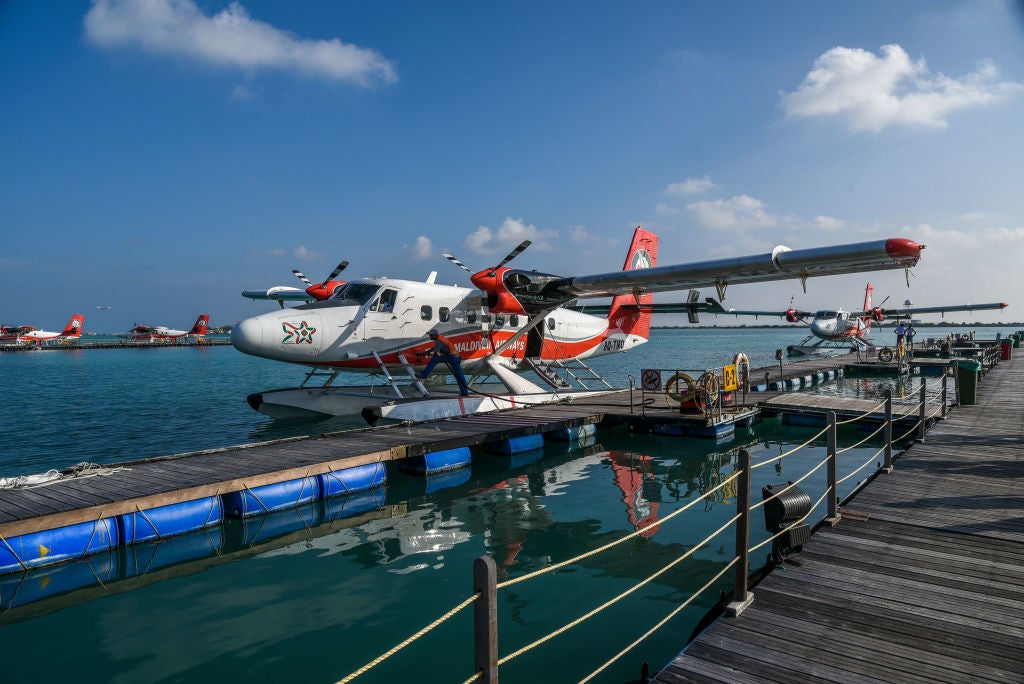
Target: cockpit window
{"x": 824, "y": 313}
{"x": 355, "y": 294}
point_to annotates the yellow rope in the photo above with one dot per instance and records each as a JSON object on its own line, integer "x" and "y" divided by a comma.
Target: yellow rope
{"x": 854, "y": 446}
{"x": 662, "y": 622}
{"x": 637, "y": 532}
{"x": 616, "y": 599}
{"x": 861, "y": 467}
{"x": 866, "y": 413}
{"x": 790, "y": 452}
{"x": 378, "y": 660}
{"x": 791, "y": 485}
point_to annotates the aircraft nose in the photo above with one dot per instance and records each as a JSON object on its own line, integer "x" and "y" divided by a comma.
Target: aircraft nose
{"x": 247, "y": 336}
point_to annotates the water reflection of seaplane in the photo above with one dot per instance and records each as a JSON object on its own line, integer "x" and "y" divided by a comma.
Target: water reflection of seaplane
{"x": 838, "y": 329}
{"x": 514, "y": 321}
{"x": 26, "y": 334}
{"x": 313, "y": 292}
{"x": 149, "y": 333}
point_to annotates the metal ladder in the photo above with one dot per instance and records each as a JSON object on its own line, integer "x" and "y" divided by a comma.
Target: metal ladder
{"x": 394, "y": 383}
{"x": 589, "y": 376}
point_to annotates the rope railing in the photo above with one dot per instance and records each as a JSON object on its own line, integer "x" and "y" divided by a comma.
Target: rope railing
{"x": 487, "y": 658}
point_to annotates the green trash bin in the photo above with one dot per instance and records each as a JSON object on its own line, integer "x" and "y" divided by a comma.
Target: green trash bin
{"x": 967, "y": 373}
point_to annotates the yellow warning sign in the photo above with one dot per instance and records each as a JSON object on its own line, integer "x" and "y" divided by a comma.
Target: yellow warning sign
{"x": 729, "y": 378}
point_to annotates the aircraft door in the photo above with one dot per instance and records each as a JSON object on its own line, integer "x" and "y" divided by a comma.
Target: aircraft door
{"x": 380, "y": 315}
{"x": 535, "y": 341}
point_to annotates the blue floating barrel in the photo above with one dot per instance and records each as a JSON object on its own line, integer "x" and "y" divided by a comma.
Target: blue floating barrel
{"x": 808, "y": 380}
{"x": 254, "y": 529}
{"x": 515, "y": 445}
{"x": 763, "y": 387}
{"x": 669, "y": 429}
{"x": 716, "y": 431}
{"x": 140, "y": 559}
{"x": 350, "y": 480}
{"x": 525, "y": 458}
{"x": 271, "y": 497}
{"x": 169, "y": 520}
{"x": 831, "y": 375}
{"x": 571, "y": 434}
{"x": 19, "y": 589}
{"x": 778, "y": 385}
{"x": 47, "y": 547}
{"x": 437, "y": 461}
{"x": 338, "y": 507}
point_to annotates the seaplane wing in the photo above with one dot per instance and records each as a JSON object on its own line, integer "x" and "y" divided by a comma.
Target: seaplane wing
{"x": 520, "y": 291}
{"x": 903, "y": 312}
{"x": 279, "y": 293}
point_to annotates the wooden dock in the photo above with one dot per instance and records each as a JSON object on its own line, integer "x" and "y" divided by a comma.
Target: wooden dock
{"x": 922, "y": 580}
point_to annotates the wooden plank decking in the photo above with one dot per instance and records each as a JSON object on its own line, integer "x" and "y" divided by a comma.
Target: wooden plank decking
{"x": 928, "y": 588}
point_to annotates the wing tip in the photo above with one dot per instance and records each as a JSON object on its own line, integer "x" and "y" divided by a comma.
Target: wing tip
{"x": 904, "y": 250}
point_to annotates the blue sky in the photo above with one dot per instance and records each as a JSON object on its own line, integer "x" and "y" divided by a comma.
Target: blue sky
{"x": 160, "y": 156}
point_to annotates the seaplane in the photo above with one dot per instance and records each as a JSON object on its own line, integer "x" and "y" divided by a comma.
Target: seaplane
{"x": 26, "y": 334}
{"x": 837, "y": 329}
{"x": 313, "y": 292}
{"x": 159, "y": 333}
{"x": 512, "y": 321}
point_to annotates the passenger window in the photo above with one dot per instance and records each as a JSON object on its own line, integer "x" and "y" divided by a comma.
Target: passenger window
{"x": 486, "y": 318}
{"x": 471, "y": 316}
{"x": 426, "y": 313}
{"x": 551, "y": 324}
{"x": 514, "y": 320}
{"x": 443, "y": 314}
{"x": 499, "y": 321}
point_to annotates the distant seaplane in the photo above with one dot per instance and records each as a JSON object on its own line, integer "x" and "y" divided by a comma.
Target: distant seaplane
{"x": 160, "y": 333}
{"x": 838, "y": 329}
{"x": 515, "y": 320}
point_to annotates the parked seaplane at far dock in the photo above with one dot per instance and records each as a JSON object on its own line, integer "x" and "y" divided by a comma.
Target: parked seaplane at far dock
{"x": 838, "y": 329}
{"x": 159, "y": 333}
{"x": 515, "y": 320}
{"x": 26, "y": 334}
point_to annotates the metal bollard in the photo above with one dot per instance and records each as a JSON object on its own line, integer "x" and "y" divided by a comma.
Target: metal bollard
{"x": 485, "y": 620}
{"x": 741, "y": 597}
{"x": 832, "y": 516}
{"x": 887, "y": 465}
{"x": 921, "y": 414}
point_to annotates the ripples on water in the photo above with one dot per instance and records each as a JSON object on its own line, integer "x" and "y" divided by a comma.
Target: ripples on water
{"x": 319, "y": 602}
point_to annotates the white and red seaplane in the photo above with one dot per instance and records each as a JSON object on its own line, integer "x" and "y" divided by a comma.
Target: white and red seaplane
{"x": 838, "y": 329}
{"x": 26, "y": 334}
{"x": 516, "y": 320}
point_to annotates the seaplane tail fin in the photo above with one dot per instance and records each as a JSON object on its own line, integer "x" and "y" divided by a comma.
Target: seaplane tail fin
{"x": 867, "y": 297}
{"x": 628, "y": 313}
{"x": 200, "y": 326}
{"x": 74, "y": 326}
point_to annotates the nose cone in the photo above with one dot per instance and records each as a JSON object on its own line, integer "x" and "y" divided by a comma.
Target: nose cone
{"x": 247, "y": 336}
{"x": 822, "y": 328}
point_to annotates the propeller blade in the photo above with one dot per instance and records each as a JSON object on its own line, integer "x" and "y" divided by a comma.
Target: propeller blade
{"x": 300, "y": 276}
{"x": 337, "y": 269}
{"x": 514, "y": 253}
{"x": 458, "y": 263}
{"x": 885, "y": 300}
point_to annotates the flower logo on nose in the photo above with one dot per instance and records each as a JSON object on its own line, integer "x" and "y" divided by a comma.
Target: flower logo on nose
{"x": 297, "y": 334}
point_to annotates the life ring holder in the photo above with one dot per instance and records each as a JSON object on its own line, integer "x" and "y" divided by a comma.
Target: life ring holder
{"x": 672, "y": 393}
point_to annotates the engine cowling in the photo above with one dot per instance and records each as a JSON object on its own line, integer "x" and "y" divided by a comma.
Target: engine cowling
{"x": 791, "y": 316}
{"x": 877, "y": 315}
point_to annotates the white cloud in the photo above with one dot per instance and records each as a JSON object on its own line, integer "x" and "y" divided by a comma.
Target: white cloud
{"x": 662, "y": 208}
{"x": 828, "y": 223}
{"x": 230, "y": 38}
{"x": 421, "y": 249}
{"x": 509, "y": 234}
{"x": 303, "y": 253}
{"x": 870, "y": 92}
{"x": 580, "y": 234}
{"x": 690, "y": 186}
{"x": 736, "y": 213}
{"x": 273, "y": 252}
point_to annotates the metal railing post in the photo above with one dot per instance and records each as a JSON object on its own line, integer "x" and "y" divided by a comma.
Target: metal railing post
{"x": 485, "y": 620}
{"x": 741, "y": 597}
{"x": 921, "y": 414}
{"x": 832, "y": 516}
{"x": 887, "y": 466}
{"x": 945, "y": 382}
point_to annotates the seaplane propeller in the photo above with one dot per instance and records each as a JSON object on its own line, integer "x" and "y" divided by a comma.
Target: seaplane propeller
{"x": 324, "y": 289}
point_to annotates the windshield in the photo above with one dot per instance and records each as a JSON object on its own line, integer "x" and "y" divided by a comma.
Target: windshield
{"x": 355, "y": 293}
{"x": 824, "y": 313}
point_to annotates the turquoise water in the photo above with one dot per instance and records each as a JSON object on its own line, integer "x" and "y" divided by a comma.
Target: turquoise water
{"x": 317, "y": 603}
